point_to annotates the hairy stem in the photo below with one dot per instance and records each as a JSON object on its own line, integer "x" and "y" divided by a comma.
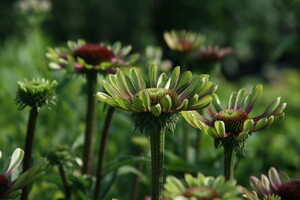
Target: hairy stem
{"x": 28, "y": 146}
{"x": 185, "y": 138}
{"x": 101, "y": 152}
{"x": 157, "y": 143}
{"x": 87, "y": 158}
{"x": 64, "y": 180}
{"x": 229, "y": 161}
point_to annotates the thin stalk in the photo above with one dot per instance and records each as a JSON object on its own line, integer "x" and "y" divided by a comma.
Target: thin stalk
{"x": 101, "y": 152}
{"x": 135, "y": 184}
{"x": 87, "y": 158}
{"x": 198, "y": 146}
{"x": 29, "y": 146}
{"x": 229, "y": 161}
{"x": 64, "y": 180}
{"x": 185, "y": 135}
{"x": 157, "y": 144}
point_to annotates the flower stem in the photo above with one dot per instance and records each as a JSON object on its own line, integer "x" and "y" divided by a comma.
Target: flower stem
{"x": 65, "y": 182}
{"x": 135, "y": 183}
{"x": 157, "y": 143}
{"x": 229, "y": 161}
{"x": 28, "y": 146}
{"x": 185, "y": 139}
{"x": 87, "y": 158}
{"x": 198, "y": 146}
{"x": 101, "y": 152}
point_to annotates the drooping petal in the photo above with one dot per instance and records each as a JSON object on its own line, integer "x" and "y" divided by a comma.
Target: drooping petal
{"x": 156, "y": 110}
{"x": 15, "y": 161}
{"x": 220, "y": 128}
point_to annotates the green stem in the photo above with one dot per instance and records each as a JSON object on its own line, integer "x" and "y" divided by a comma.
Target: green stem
{"x": 101, "y": 152}
{"x": 229, "y": 161}
{"x": 157, "y": 143}
{"x": 28, "y": 146}
{"x": 185, "y": 137}
{"x": 87, "y": 158}
{"x": 64, "y": 179}
{"x": 135, "y": 183}
{"x": 198, "y": 146}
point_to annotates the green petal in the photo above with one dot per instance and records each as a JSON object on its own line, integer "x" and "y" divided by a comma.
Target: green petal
{"x": 137, "y": 80}
{"x": 153, "y": 75}
{"x": 269, "y": 122}
{"x": 202, "y": 103}
{"x": 240, "y": 99}
{"x": 260, "y": 124}
{"x": 166, "y": 103}
{"x": 123, "y": 83}
{"x": 242, "y": 135}
{"x": 279, "y": 109}
{"x": 183, "y": 105}
{"x": 114, "y": 82}
{"x": 248, "y": 125}
{"x": 138, "y": 103}
{"x": 279, "y": 117}
{"x": 254, "y": 97}
{"x": 231, "y": 100}
{"x": 211, "y": 131}
{"x": 144, "y": 96}
{"x": 216, "y": 102}
{"x": 183, "y": 81}
{"x": 273, "y": 106}
{"x": 174, "y": 184}
{"x": 220, "y": 128}
{"x": 174, "y": 77}
{"x": 204, "y": 89}
{"x": 193, "y": 100}
{"x": 124, "y": 103}
{"x": 189, "y": 91}
{"x": 110, "y": 90}
{"x": 162, "y": 80}
{"x": 156, "y": 110}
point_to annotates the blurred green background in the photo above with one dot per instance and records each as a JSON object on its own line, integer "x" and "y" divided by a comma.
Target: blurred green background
{"x": 265, "y": 36}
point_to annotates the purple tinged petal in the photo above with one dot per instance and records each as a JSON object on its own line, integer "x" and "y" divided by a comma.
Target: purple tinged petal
{"x": 274, "y": 178}
{"x": 257, "y": 185}
{"x": 284, "y": 177}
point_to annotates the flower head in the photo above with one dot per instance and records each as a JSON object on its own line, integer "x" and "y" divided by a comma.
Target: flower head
{"x": 12, "y": 189}
{"x": 36, "y": 93}
{"x": 81, "y": 57}
{"x": 254, "y": 196}
{"x": 201, "y": 188}
{"x": 279, "y": 184}
{"x": 213, "y": 53}
{"x": 158, "y": 100}
{"x": 183, "y": 41}
{"x": 234, "y": 124}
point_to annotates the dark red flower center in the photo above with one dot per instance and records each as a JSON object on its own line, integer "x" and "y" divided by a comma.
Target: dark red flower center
{"x": 93, "y": 54}
{"x": 185, "y": 45}
{"x": 233, "y": 120}
{"x": 3, "y": 184}
{"x": 201, "y": 193}
{"x": 289, "y": 191}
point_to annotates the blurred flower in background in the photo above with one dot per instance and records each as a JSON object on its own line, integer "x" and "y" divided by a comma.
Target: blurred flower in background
{"x": 183, "y": 41}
